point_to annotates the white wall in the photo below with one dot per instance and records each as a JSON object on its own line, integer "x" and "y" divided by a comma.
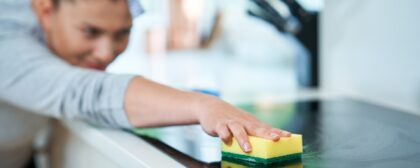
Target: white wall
{"x": 372, "y": 48}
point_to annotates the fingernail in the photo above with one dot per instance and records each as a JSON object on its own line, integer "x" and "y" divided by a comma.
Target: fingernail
{"x": 287, "y": 133}
{"x": 274, "y": 135}
{"x": 228, "y": 142}
{"x": 246, "y": 147}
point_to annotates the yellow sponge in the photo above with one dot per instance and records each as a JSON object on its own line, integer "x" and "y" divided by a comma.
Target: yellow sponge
{"x": 265, "y": 151}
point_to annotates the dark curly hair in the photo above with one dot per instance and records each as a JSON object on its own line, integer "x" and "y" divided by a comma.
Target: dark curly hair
{"x": 56, "y": 3}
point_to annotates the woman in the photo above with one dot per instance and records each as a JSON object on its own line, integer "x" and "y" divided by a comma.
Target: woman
{"x": 53, "y": 53}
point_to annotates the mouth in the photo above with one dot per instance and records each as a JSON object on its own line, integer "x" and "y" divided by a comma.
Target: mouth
{"x": 95, "y": 66}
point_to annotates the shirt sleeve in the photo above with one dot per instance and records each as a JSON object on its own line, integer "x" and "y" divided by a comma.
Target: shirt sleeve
{"x": 33, "y": 79}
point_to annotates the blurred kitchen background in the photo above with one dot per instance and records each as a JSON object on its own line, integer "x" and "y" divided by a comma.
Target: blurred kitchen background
{"x": 225, "y": 47}
{"x": 243, "y": 47}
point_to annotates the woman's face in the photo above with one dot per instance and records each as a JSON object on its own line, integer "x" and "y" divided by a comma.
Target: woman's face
{"x": 87, "y": 33}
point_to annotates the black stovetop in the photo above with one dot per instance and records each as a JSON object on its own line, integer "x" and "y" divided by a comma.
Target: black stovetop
{"x": 336, "y": 133}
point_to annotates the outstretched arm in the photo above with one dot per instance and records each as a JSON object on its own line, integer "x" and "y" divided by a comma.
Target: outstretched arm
{"x": 151, "y": 104}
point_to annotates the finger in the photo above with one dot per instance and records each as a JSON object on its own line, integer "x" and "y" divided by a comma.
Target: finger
{"x": 282, "y": 133}
{"x": 224, "y": 134}
{"x": 263, "y": 132}
{"x": 241, "y": 136}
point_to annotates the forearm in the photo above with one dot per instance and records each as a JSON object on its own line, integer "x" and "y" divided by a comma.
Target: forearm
{"x": 151, "y": 104}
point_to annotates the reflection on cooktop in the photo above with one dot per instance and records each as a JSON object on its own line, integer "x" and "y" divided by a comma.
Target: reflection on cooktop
{"x": 338, "y": 133}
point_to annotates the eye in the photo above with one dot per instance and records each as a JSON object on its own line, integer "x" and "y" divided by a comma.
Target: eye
{"x": 90, "y": 32}
{"x": 122, "y": 34}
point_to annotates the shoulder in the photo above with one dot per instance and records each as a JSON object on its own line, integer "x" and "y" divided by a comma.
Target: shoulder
{"x": 16, "y": 16}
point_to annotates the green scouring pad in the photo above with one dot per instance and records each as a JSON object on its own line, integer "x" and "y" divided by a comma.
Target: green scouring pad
{"x": 265, "y": 151}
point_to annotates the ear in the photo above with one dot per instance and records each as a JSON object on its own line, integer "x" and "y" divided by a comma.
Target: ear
{"x": 44, "y": 11}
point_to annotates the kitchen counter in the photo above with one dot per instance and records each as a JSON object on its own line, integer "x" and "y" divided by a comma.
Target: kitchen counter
{"x": 78, "y": 144}
{"x": 337, "y": 131}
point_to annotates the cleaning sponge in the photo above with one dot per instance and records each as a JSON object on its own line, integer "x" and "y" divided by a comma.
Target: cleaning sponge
{"x": 265, "y": 151}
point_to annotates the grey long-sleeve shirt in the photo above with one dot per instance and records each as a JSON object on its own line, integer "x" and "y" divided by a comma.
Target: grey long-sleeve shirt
{"x": 35, "y": 84}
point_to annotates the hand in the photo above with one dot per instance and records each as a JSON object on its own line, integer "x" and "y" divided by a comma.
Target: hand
{"x": 218, "y": 118}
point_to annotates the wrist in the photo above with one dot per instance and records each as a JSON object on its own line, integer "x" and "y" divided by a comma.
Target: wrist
{"x": 203, "y": 105}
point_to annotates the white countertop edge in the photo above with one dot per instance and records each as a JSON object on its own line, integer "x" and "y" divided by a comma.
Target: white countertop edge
{"x": 123, "y": 148}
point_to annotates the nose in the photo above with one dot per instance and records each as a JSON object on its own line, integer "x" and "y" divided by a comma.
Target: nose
{"x": 104, "y": 50}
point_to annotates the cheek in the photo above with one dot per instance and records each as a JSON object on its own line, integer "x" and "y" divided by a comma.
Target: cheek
{"x": 81, "y": 46}
{"x": 69, "y": 44}
{"x": 78, "y": 47}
